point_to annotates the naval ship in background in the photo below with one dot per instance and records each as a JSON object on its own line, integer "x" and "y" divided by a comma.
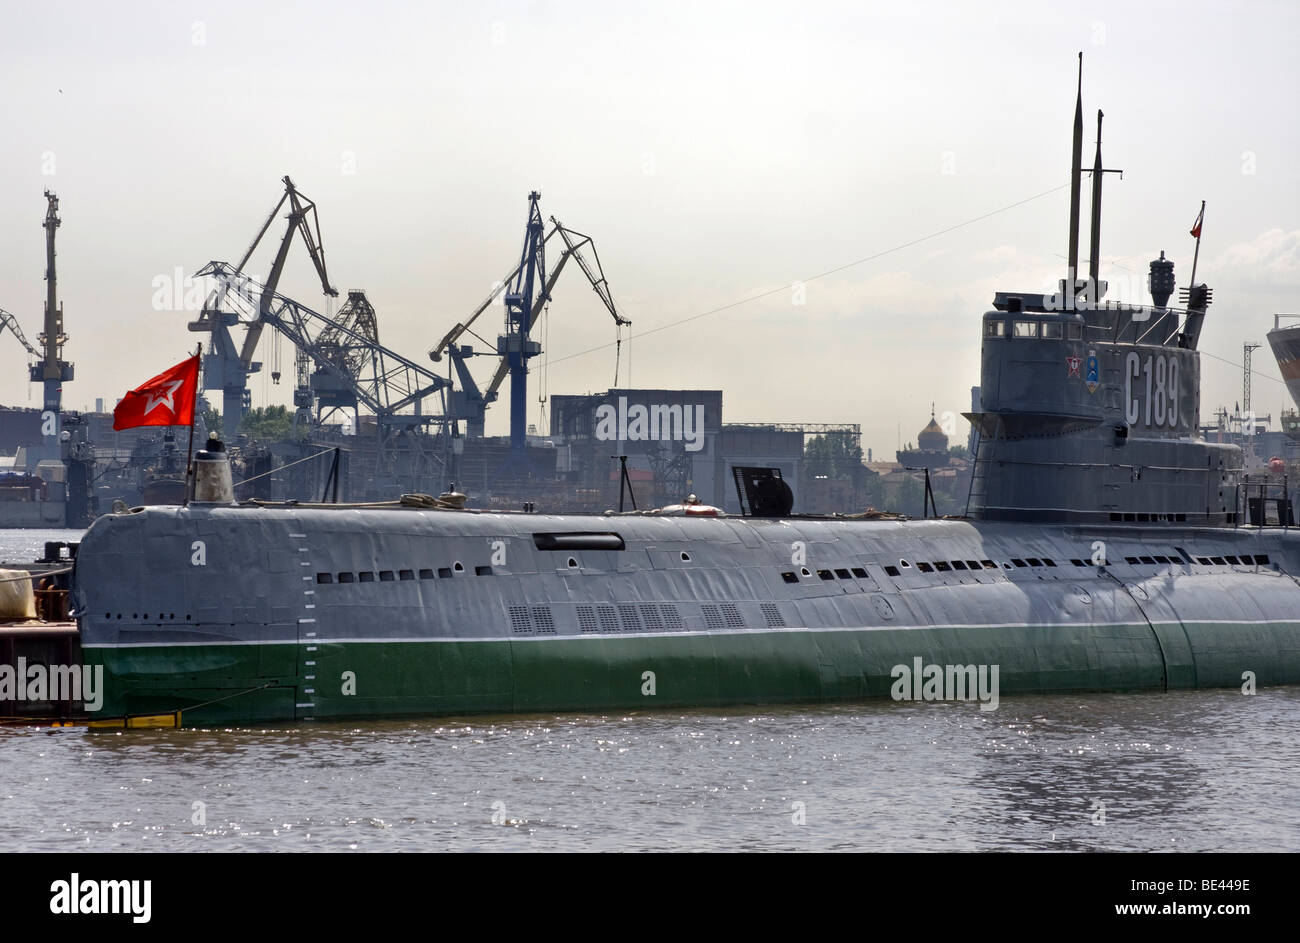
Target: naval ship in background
{"x": 1107, "y": 546}
{"x": 1285, "y": 343}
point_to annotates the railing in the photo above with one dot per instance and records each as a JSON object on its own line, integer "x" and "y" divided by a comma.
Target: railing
{"x": 1265, "y": 501}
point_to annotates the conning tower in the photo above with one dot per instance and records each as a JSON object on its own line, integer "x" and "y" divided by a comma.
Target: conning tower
{"x": 1090, "y": 408}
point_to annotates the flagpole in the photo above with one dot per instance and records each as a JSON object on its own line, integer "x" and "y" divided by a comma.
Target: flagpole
{"x": 1200, "y": 220}
{"x": 189, "y": 451}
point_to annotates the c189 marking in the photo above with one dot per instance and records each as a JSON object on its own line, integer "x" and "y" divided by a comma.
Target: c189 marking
{"x": 1158, "y": 374}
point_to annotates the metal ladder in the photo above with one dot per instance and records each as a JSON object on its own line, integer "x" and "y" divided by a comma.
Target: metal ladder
{"x": 979, "y": 472}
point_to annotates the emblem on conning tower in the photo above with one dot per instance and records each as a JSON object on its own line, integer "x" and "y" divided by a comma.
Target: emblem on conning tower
{"x": 1073, "y": 363}
{"x": 1093, "y": 378}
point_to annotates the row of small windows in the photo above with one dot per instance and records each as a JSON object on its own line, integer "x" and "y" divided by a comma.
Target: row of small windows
{"x": 391, "y": 576}
{"x": 443, "y": 572}
{"x": 943, "y": 566}
{"x": 1044, "y": 330}
{"x": 161, "y": 618}
{"x": 947, "y": 566}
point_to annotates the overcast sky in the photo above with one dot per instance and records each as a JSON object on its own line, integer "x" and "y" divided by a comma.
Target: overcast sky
{"x": 715, "y": 151}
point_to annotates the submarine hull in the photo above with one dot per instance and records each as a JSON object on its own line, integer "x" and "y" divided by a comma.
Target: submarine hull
{"x": 241, "y": 614}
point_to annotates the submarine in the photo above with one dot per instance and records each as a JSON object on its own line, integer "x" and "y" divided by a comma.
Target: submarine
{"x": 1106, "y": 547}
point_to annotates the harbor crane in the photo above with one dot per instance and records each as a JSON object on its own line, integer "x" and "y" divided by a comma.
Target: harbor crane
{"x": 226, "y": 368}
{"x": 383, "y": 381}
{"x": 350, "y": 346}
{"x": 52, "y": 371}
{"x": 527, "y": 290}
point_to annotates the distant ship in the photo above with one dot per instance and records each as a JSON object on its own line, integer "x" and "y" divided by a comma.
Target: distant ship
{"x": 1107, "y": 547}
{"x": 1285, "y": 342}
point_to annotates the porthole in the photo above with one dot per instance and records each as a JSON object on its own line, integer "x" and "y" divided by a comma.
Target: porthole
{"x": 686, "y": 557}
{"x": 573, "y": 563}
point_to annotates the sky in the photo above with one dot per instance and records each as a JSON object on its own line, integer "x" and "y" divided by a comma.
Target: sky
{"x": 724, "y": 157}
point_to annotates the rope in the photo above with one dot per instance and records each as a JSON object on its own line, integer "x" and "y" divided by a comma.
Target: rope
{"x": 218, "y": 699}
{"x": 34, "y": 576}
{"x": 283, "y": 467}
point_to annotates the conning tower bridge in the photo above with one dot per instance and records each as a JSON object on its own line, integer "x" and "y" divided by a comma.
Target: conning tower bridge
{"x": 1090, "y": 409}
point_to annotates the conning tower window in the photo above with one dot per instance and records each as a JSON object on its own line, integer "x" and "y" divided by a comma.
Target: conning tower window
{"x": 1024, "y": 328}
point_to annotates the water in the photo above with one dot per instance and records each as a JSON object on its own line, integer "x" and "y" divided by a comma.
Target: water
{"x": 27, "y": 546}
{"x": 1196, "y": 771}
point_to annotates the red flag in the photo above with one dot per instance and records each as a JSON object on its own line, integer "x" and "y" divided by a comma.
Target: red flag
{"x": 166, "y": 400}
{"x": 1196, "y": 226}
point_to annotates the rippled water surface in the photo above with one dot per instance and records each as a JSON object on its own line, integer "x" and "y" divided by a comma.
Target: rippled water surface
{"x": 1198, "y": 771}
{"x": 1145, "y": 772}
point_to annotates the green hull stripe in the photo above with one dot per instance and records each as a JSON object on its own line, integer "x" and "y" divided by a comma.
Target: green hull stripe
{"x": 310, "y": 678}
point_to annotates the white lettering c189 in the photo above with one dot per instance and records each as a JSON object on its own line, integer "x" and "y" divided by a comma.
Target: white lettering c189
{"x": 1155, "y": 401}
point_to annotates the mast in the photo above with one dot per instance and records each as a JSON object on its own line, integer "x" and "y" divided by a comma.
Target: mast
{"x": 1094, "y": 249}
{"x": 1076, "y": 171}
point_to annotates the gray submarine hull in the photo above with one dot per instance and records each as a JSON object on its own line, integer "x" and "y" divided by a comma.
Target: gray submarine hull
{"x": 265, "y": 614}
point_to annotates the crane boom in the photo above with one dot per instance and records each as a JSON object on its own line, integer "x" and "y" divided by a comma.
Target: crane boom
{"x": 298, "y": 222}
{"x": 599, "y": 285}
{"x": 384, "y": 381}
{"x": 226, "y": 366}
{"x": 523, "y": 307}
{"x": 7, "y": 320}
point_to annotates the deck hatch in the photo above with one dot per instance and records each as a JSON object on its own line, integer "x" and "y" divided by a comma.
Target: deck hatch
{"x": 578, "y": 540}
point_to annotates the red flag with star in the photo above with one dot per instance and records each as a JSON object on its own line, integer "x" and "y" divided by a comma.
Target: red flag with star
{"x": 166, "y": 400}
